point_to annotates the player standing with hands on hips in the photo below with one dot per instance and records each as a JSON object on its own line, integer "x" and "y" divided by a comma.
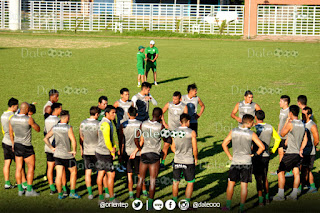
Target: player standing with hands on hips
{"x": 152, "y": 54}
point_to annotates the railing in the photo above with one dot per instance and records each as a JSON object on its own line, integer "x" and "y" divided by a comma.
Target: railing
{"x": 4, "y": 14}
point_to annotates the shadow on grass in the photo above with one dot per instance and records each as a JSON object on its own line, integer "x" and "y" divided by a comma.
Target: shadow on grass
{"x": 172, "y": 79}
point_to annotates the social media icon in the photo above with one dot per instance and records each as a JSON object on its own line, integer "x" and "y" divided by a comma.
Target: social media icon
{"x": 137, "y": 205}
{"x": 157, "y": 204}
{"x": 102, "y": 205}
{"x": 170, "y": 205}
{"x": 183, "y": 204}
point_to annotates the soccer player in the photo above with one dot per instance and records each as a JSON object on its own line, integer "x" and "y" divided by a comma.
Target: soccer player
{"x": 122, "y": 105}
{"x": 53, "y": 98}
{"x": 51, "y": 121}
{"x": 128, "y": 132}
{"x": 302, "y": 103}
{"x": 140, "y": 65}
{"x": 152, "y": 54}
{"x": 7, "y": 145}
{"x": 175, "y": 109}
{"x": 20, "y": 135}
{"x": 192, "y": 101}
{"x": 245, "y": 107}
{"x": 105, "y": 154}
{"x": 297, "y": 140}
{"x": 309, "y": 152}
{"x": 141, "y": 101}
{"x": 185, "y": 157}
{"x": 241, "y": 165}
{"x": 150, "y": 140}
{"x": 64, "y": 157}
{"x": 32, "y": 109}
{"x": 88, "y": 143}
{"x": 260, "y": 163}
{"x": 102, "y": 104}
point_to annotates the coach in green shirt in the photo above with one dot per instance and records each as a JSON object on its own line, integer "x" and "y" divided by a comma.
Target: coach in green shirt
{"x": 152, "y": 54}
{"x": 140, "y": 65}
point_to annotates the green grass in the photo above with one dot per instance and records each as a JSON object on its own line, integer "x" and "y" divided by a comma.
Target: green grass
{"x": 222, "y": 70}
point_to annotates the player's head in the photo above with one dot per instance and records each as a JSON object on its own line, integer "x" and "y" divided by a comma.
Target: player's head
{"x": 124, "y": 93}
{"x": 132, "y": 112}
{"x": 157, "y": 113}
{"x": 306, "y": 113}
{"x": 176, "y": 98}
{"x": 302, "y": 101}
{"x": 247, "y": 120}
{"x": 248, "y": 96}
{"x": 145, "y": 87}
{"x": 192, "y": 90}
{"x": 102, "y": 102}
{"x": 260, "y": 116}
{"x": 294, "y": 111}
{"x": 64, "y": 116}
{"x": 54, "y": 95}
{"x": 13, "y": 104}
{"x": 110, "y": 112}
{"x": 141, "y": 48}
{"x": 94, "y": 112}
{"x": 284, "y": 101}
{"x": 32, "y": 109}
{"x": 185, "y": 119}
{"x": 56, "y": 109}
{"x": 152, "y": 43}
{"x": 24, "y": 108}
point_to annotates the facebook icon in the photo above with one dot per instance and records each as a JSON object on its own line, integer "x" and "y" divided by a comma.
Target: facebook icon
{"x": 170, "y": 205}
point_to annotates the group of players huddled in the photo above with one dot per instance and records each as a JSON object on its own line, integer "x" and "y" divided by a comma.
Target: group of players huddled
{"x": 140, "y": 149}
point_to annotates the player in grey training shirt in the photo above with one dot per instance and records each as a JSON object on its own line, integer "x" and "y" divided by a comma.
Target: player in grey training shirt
{"x": 192, "y": 101}
{"x": 141, "y": 101}
{"x": 175, "y": 109}
{"x": 63, "y": 154}
{"x": 53, "y": 98}
{"x": 88, "y": 143}
{"x": 245, "y": 107}
{"x": 241, "y": 165}
{"x": 284, "y": 113}
{"x": 296, "y": 141}
{"x": 185, "y": 151}
{"x": 20, "y": 135}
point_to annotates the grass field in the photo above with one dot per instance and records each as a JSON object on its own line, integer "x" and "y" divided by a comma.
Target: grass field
{"x": 222, "y": 70}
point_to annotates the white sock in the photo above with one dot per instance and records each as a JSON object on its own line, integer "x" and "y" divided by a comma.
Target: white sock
{"x": 294, "y": 192}
{"x": 281, "y": 192}
{"x": 138, "y": 83}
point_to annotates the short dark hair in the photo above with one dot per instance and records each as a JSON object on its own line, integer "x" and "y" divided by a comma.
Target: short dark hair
{"x": 176, "y": 94}
{"x": 294, "y": 109}
{"x": 64, "y": 113}
{"x": 302, "y": 99}
{"x": 102, "y": 98}
{"x": 53, "y": 92}
{"x": 308, "y": 109}
{"x": 146, "y": 84}
{"x": 12, "y": 101}
{"x": 248, "y": 92}
{"x": 191, "y": 87}
{"x": 184, "y": 118}
{"x": 124, "y": 90}
{"x": 94, "y": 110}
{"x": 55, "y": 106}
{"x": 157, "y": 112}
{"x": 285, "y": 98}
{"x": 260, "y": 115}
{"x": 32, "y": 108}
{"x": 109, "y": 108}
{"x": 132, "y": 111}
{"x": 247, "y": 118}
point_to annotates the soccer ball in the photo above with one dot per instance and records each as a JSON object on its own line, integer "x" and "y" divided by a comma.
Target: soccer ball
{"x": 84, "y": 90}
{"x": 286, "y": 53}
{"x": 77, "y": 91}
{"x": 174, "y": 134}
{"x": 165, "y": 133}
{"x": 295, "y": 53}
{"x": 60, "y": 53}
{"x": 68, "y": 90}
{"x": 68, "y": 53}
{"x": 52, "y": 52}
{"x": 278, "y": 52}
{"x": 182, "y": 134}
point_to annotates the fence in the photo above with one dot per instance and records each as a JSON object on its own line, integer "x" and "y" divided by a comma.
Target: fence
{"x": 4, "y": 14}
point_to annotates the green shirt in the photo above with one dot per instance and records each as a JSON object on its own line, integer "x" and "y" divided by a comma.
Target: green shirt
{"x": 140, "y": 60}
{"x": 151, "y": 53}
{"x": 102, "y": 114}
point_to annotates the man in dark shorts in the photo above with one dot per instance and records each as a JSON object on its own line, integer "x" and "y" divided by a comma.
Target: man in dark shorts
{"x": 53, "y": 98}
{"x": 185, "y": 157}
{"x": 296, "y": 141}
{"x": 241, "y": 165}
{"x": 88, "y": 143}
{"x": 284, "y": 113}
{"x": 64, "y": 157}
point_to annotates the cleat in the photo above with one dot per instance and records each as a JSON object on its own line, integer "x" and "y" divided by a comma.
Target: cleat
{"x": 9, "y": 186}
{"x": 32, "y": 194}
{"x": 53, "y": 192}
{"x": 278, "y": 198}
{"x": 74, "y": 196}
{"x": 90, "y": 197}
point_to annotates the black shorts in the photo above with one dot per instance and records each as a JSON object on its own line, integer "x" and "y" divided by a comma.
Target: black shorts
{"x": 50, "y": 157}
{"x": 133, "y": 164}
{"x": 67, "y": 163}
{"x": 104, "y": 162}
{"x": 282, "y": 145}
{"x": 260, "y": 166}
{"x": 308, "y": 161}
{"x": 22, "y": 150}
{"x": 168, "y": 140}
{"x": 242, "y": 173}
{"x": 194, "y": 126}
{"x": 89, "y": 161}
{"x": 7, "y": 152}
{"x": 150, "y": 158}
{"x": 188, "y": 171}
{"x": 289, "y": 161}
